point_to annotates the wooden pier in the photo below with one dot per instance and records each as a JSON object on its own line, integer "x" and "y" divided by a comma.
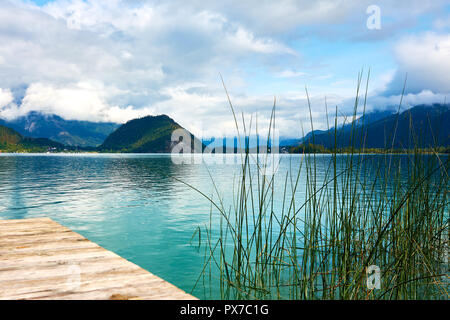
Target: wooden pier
{"x": 41, "y": 259}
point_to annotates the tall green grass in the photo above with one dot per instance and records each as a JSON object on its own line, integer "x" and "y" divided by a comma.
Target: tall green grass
{"x": 356, "y": 211}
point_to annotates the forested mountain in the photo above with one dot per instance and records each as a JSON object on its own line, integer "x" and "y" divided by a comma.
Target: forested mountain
{"x": 12, "y": 141}
{"x": 151, "y": 134}
{"x": 422, "y": 126}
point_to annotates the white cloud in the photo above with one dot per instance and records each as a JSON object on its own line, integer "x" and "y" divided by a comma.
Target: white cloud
{"x": 283, "y": 16}
{"x": 290, "y": 74}
{"x": 425, "y": 58}
{"x": 244, "y": 39}
{"x": 82, "y": 101}
{"x": 408, "y": 100}
{"x": 116, "y": 60}
{"x": 6, "y": 97}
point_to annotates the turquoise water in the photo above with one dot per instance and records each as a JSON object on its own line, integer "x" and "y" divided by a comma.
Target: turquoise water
{"x": 133, "y": 205}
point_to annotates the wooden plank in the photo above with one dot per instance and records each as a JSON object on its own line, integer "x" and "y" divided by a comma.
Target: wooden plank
{"x": 58, "y": 269}
{"x": 131, "y": 286}
{"x": 42, "y": 262}
{"x": 33, "y": 231}
{"x": 27, "y": 239}
{"x": 41, "y": 259}
{"x": 25, "y": 221}
{"x": 45, "y": 246}
{"x": 132, "y": 289}
{"x": 89, "y": 282}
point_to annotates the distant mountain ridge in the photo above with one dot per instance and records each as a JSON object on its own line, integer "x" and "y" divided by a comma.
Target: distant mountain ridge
{"x": 365, "y": 120}
{"x": 422, "y": 126}
{"x": 67, "y": 132}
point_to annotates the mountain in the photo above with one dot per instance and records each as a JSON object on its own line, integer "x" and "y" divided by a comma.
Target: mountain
{"x": 68, "y": 132}
{"x": 289, "y": 142}
{"x": 151, "y": 134}
{"x": 421, "y": 126}
{"x": 365, "y": 120}
{"x": 12, "y": 141}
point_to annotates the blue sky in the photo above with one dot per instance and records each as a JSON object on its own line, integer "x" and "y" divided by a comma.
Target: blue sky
{"x": 116, "y": 60}
{"x": 41, "y": 2}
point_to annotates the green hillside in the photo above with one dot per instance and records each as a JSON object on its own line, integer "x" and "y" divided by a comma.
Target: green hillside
{"x": 12, "y": 141}
{"x": 151, "y": 134}
{"x": 8, "y": 136}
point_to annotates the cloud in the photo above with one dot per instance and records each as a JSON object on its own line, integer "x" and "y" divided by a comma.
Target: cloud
{"x": 6, "y": 97}
{"x": 118, "y": 60}
{"x": 425, "y": 58}
{"x": 290, "y": 74}
{"x": 281, "y": 17}
{"x": 82, "y": 101}
{"x": 139, "y": 48}
{"x": 408, "y": 100}
{"x": 244, "y": 39}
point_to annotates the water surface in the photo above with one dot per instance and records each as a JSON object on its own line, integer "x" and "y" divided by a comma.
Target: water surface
{"x": 133, "y": 205}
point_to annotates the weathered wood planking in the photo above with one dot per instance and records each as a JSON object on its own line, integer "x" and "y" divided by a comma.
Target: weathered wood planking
{"x": 41, "y": 259}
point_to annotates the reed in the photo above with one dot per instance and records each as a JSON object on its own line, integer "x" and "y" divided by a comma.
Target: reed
{"x": 354, "y": 211}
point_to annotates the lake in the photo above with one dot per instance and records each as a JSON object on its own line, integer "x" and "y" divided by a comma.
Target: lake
{"x": 129, "y": 204}
{"x": 132, "y": 204}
